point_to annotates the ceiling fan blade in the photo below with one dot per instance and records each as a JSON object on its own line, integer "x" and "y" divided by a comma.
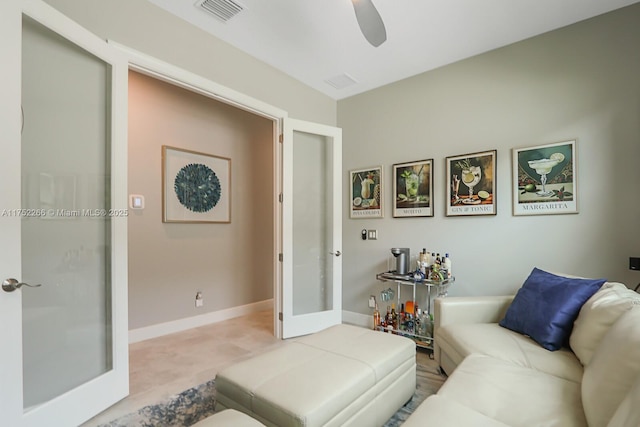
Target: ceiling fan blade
{"x": 370, "y": 22}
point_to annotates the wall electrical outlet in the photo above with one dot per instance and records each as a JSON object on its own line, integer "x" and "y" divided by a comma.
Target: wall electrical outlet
{"x": 199, "y": 299}
{"x": 372, "y": 301}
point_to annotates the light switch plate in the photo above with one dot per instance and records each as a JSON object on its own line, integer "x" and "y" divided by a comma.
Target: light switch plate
{"x": 373, "y": 234}
{"x": 136, "y": 201}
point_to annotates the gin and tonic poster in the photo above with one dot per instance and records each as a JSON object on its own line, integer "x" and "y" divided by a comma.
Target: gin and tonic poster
{"x": 471, "y": 184}
{"x": 544, "y": 180}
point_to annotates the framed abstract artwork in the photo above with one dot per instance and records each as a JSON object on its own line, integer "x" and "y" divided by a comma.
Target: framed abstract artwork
{"x": 545, "y": 179}
{"x": 413, "y": 189}
{"x": 196, "y": 187}
{"x": 477, "y": 174}
{"x": 366, "y": 193}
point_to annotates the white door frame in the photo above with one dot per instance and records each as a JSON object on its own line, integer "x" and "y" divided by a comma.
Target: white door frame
{"x": 163, "y": 71}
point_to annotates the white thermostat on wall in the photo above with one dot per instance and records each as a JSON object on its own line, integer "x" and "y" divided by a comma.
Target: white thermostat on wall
{"x": 136, "y": 201}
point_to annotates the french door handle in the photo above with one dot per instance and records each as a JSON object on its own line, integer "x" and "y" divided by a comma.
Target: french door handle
{"x": 336, "y": 253}
{"x": 10, "y": 285}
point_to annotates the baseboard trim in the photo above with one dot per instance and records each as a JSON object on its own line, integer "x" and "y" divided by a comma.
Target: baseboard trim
{"x": 161, "y": 329}
{"x": 358, "y": 319}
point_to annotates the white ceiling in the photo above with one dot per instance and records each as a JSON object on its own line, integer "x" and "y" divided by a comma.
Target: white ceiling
{"x": 316, "y": 40}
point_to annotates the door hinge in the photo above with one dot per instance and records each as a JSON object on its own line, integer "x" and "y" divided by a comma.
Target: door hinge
{"x": 281, "y": 138}
{"x": 280, "y": 197}
{"x": 280, "y": 257}
{"x": 280, "y": 316}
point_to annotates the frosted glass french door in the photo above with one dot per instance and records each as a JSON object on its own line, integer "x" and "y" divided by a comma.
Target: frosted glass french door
{"x": 64, "y": 267}
{"x": 312, "y": 228}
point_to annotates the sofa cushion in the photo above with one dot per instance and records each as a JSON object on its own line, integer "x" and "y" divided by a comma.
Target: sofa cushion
{"x": 360, "y": 344}
{"x": 547, "y": 305}
{"x": 596, "y": 317}
{"x": 614, "y": 367}
{"x": 628, "y": 412}
{"x": 514, "y": 395}
{"x": 461, "y": 340}
{"x": 295, "y": 366}
{"x": 443, "y": 412}
{"x": 331, "y": 378}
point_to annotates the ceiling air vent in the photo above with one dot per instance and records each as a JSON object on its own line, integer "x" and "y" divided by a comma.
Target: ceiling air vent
{"x": 341, "y": 81}
{"x": 224, "y": 10}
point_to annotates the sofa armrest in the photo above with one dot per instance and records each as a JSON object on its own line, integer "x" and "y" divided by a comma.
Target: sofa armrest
{"x": 483, "y": 309}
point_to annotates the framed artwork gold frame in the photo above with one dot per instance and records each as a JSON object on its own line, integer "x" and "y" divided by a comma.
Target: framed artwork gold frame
{"x": 196, "y": 187}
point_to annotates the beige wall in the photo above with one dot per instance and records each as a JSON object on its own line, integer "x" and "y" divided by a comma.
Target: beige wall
{"x": 580, "y": 82}
{"x": 232, "y": 264}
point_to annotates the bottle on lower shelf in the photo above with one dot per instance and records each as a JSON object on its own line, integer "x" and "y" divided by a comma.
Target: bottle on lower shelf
{"x": 425, "y": 325}
{"x": 394, "y": 317}
{"x": 376, "y": 318}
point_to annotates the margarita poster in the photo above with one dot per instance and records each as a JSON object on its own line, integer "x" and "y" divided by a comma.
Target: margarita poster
{"x": 545, "y": 179}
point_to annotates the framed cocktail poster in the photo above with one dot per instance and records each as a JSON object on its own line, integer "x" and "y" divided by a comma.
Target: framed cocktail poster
{"x": 471, "y": 184}
{"x": 366, "y": 193}
{"x": 196, "y": 187}
{"x": 413, "y": 189}
{"x": 544, "y": 179}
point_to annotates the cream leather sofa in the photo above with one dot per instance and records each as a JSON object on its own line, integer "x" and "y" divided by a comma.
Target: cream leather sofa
{"x": 498, "y": 377}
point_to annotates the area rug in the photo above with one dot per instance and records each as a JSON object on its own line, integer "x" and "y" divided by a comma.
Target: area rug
{"x": 183, "y": 409}
{"x": 428, "y": 382}
{"x": 190, "y": 406}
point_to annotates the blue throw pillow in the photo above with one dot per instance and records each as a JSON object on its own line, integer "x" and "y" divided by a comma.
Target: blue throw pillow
{"x": 547, "y": 305}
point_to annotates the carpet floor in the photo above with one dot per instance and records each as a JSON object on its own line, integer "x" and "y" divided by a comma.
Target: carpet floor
{"x": 192, "y": 405}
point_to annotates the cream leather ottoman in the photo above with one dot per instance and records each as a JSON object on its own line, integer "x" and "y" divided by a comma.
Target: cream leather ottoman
{"x": 342, "y": 376}
{"x": 230, "y": 418}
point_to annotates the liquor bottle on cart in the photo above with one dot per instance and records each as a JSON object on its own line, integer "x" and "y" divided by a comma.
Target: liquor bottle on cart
{"x": 376, "y": 318}
{"x": 447, "y": 263}
{"x": 394, "y": 317}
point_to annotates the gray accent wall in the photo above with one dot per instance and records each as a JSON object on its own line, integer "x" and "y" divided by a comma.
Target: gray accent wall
{"x": 580, "y": 82}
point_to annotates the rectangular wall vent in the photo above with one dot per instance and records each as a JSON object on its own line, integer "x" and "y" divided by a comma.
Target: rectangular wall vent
{"x": 224, "y": 10}
{"x": 341, "y": 81}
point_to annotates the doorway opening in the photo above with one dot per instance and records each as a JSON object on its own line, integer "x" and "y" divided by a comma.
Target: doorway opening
{"x": 227, "y": 265}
